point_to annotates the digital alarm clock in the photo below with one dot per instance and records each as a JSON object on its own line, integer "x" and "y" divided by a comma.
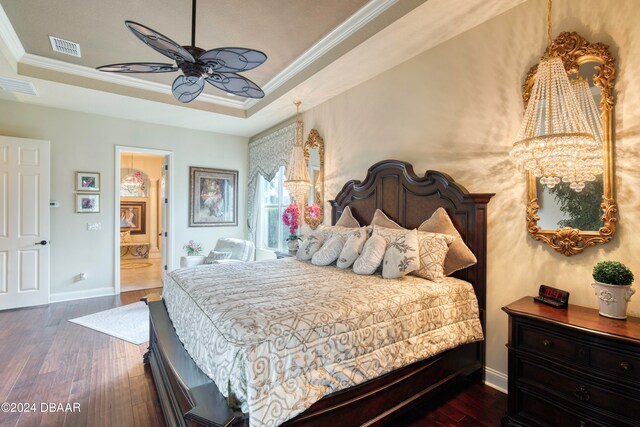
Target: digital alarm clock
{"x": 551, "y": 296}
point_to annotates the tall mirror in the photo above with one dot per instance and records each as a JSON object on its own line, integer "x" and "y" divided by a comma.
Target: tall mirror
{"x": 314, "y": 199}
{"x": 570, "y": 221}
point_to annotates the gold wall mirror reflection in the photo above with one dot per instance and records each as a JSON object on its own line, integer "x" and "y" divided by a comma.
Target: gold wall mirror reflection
{"x": 314, "y": 199}
{"x": 567, "y": 220}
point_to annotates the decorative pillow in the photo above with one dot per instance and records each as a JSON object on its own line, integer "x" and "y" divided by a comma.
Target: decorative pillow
{"x": 337, "y": 230}
{"x": 215, "y": 256}
{"x": 371, "y": 256}
{"x": 459, "y": 255}
{"x": 347, "y": 219}
{"x": 310, "y": 246}
{"x": 433, "y": 250}
{"x": 125, "y": 237}
{"x": 401, "y": 256}
{"x": 329, "y": 252}
{"x": 352, "y": 248}
{"x": 382, "y": 220}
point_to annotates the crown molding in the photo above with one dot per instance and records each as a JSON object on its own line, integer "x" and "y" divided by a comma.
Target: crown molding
{"x": 362, "y": 17}
{"x": 120, "y": 79}
{"x": 9, "y": 36}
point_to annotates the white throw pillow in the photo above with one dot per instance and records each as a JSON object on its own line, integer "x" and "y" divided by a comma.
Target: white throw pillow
{"x": 347, "y": 219}
{"x": 329, "y": 252}
{"x": 352, "y": 248}
{"x": 371, "y": 256}
{"x": 433, "y": 251}
{"x": 215, "y": 256}
{"x": 310, "y": 246}
{"x": 402, "y": 254}
{"x": 337, "y": 230}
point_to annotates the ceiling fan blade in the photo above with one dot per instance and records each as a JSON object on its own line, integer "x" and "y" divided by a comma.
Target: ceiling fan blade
{"x": 232, "y": 59}
{"x": 186, "y": 90}
{"x": 160, "y": 43}
{"x": 138, "y": 67}
{"x": 235, "y": 84}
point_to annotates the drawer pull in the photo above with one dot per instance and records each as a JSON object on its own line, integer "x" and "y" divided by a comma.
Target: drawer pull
{"x": 547, "y": 343}
{"x": 626, "y": 366}
{"x": 581, "y": 393}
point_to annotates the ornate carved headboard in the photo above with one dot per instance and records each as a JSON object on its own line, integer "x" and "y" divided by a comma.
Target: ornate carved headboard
{"x": 393, "y": 187}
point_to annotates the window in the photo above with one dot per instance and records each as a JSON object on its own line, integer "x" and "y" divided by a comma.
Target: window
{"x": 274, "y": 199}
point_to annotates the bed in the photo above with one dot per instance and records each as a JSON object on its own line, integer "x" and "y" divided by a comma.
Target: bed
{"x": 189, "y": 397}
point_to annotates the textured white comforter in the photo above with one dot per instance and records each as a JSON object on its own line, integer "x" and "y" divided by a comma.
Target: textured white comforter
{"x": 276, "y": 336}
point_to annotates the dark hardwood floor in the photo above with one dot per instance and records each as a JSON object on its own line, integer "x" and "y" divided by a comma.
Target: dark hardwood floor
{"x": 46, "y": 359}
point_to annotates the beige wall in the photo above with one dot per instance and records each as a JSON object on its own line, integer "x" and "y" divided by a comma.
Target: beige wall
{"x": 87, "y": 142}
{"x": 457, "y": 107}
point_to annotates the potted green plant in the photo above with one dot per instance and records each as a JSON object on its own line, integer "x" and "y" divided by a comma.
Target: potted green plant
{"x": 613, "y": 288}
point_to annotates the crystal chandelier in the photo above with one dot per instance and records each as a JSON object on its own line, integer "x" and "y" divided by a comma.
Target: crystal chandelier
{"x": 554, "y": 140}
{"x": 132, "y": 183}
{"x": 297, "y": 177}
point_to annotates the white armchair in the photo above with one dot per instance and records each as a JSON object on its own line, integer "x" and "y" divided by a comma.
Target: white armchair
{"x": 241, "y": 251}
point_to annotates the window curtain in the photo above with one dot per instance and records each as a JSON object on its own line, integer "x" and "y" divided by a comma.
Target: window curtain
{"x": 266, "y": 155}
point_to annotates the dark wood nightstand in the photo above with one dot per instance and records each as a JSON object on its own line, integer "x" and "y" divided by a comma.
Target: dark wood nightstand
{"x": 571, "y": 367}
{"x": 286, "y": 254}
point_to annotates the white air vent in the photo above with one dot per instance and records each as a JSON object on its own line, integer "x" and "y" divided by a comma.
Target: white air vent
{"x": 65, "y": 46}
{"x": 19, "y": 86}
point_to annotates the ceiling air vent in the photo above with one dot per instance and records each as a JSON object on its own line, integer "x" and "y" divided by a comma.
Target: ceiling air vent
{"x": 65, "y": 46}
{"x": 19, "y": 86}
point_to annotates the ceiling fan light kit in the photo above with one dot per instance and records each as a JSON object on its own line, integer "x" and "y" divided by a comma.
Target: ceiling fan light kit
{"x": 218, "y": 67}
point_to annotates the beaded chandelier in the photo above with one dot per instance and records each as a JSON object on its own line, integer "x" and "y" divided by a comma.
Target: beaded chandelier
{"x": 297, "y": 177}
{"x": 555, "y": 142}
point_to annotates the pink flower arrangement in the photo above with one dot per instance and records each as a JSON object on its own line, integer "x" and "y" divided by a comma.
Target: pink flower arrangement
{"x": 314, "y": 211}
{"x": 290, "y": 218}
{"x": 192, "y": 248}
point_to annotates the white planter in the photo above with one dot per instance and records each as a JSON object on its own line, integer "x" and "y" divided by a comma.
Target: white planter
{"x": 613, "y": 299}
{"x": 293, "y": 245}
{"x": 191, "y": 261}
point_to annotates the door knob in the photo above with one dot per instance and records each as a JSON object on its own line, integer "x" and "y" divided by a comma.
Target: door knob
{"x": 42, "y": 242}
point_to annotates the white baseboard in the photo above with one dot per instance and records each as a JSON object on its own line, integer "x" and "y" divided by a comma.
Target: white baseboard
{"x": 88, "y": 293}
{"x": 495, "y": 379}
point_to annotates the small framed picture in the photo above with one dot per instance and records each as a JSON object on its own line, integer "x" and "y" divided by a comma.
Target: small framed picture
{"x": 87, "y": 203}
{"x": 88, "y": 181}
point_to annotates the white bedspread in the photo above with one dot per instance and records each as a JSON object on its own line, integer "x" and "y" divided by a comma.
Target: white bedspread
{"x": 276, "y": 336}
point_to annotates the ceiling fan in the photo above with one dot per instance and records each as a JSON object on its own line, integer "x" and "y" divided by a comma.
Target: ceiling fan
{"x": 219, "y": 67}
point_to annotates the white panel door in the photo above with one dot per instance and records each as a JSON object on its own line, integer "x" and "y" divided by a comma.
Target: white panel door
{"x": 164, "y": 225}
{"x": 24, "y": 222}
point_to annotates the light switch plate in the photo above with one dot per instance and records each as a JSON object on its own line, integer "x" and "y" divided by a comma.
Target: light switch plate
{"x": 94, "y": 226}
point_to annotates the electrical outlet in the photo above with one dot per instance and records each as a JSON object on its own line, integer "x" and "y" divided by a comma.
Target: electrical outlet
{"x": 94, "y": 226}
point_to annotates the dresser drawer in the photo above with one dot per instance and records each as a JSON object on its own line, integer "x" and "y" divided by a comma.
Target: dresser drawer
{"x": 549, "y": 344}
{"x": 570, "y": 387}
{"x": 617, "y": 363}
{"x": 535, "y": 411}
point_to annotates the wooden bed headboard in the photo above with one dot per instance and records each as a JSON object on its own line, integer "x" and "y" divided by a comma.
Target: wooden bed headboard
{"x": 393, "y": 187}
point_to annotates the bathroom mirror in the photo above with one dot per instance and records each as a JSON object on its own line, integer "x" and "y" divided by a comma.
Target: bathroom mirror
{"x": 314, "y": 199}
{"x": 567, "y": 220}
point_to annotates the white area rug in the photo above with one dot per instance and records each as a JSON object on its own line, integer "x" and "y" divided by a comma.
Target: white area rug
{"x": 129, "y": 322}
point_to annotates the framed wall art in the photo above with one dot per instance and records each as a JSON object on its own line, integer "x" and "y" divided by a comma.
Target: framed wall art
{"x": 88, "y": 181}
{"x": 213, "y": 197}
{"x": 133, "y": 217}
{"x": 87, "y": 203}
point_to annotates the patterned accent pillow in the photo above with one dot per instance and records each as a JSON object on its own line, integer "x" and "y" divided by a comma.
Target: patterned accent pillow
{"x": 215, "y": 256}
{"x": 310, "y": 246}
{"x": 433, "y": 250}
{"x": 329, "y": 252}
{"x": 337, "y": 230}
{"x": 347, "y": 219}
{"x": 371, "y": 256}
{"x": 459, "y": 255}
{"x": 401, "y": 256}
{"x": 352, "y": 248}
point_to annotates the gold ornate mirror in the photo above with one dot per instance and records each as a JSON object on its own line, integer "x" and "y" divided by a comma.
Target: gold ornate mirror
{"x": 314, "y": 199}
{"x": 566, "y": 220}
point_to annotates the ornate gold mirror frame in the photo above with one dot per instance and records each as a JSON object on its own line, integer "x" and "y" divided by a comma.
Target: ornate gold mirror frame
{"x": 315, "y": 141}
{"x": 575, "y": 51}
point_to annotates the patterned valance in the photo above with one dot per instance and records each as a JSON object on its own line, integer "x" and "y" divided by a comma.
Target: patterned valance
{"x": 266, "y": 155}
